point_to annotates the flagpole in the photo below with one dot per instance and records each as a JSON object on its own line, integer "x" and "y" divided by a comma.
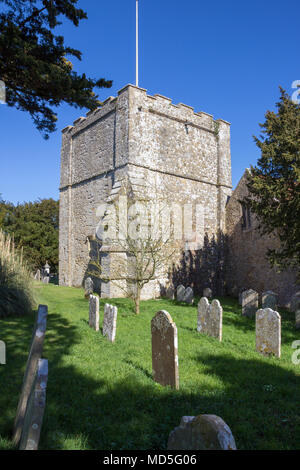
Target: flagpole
{"x": 137, "y": 44}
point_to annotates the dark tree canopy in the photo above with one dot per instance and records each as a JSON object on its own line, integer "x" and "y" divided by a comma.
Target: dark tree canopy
{"x": 33, "y": 61}
{"x": 274, "y": 184}
{"x": 33, "y": 226}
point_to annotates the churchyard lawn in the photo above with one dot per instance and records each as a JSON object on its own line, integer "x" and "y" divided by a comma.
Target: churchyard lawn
{"x": 101, "y": 395}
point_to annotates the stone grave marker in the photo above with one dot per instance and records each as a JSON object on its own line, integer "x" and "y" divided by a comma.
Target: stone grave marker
{"x": 243, "y": 289}
{"x": 110, "y": 322}
{"x": 203, "y": 432}
{"x": 295, "y": 303}
{"x": 180, "y": 291}
{"x": 35, "y": 354}
{"x": 35, "y": 409}
{"x": 249, "y": 302}
{"x": 88, "y": 287}
{"x": 188, "y": 296}
{"x": 94, "y": 312}
{"x": 170, "y": 293}
{"x": 164, "y": 350}
{"x": 269, "y": 300}
{"x": 268, "y": 332}
{"x": 207, "y": 292}
{"x": 297, "y": 319}
{"x": 210, "y": 318}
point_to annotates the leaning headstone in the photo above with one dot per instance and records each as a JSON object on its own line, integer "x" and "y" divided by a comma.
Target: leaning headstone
{"x": 269, "y": 300}
{"x": 180, "y": 293}
{"x": 297, "y": 319}
{"x": 210, "y": 318}
{"x": 94, "y": 312}
{"x": 207, "y": 292}
{"x": 35, "y": 354}
{"x": 188, "y": 296}
{"x": 164, "y": 350}
{"x": 170, "y": 293}
{"x": 203, "y": 432}
{"x": 249, "y": 302}
{"x": 268, "y": 332}
{"x": 88, "y": 287}
{"x": 110, "y": 322}
{"x": 35, "y": 409}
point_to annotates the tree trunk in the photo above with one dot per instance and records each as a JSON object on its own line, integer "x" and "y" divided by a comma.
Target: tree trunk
{"x": 137, "y": 300}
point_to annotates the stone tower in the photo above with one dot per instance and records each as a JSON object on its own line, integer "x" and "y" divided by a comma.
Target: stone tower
{"x": 138, "y": 138}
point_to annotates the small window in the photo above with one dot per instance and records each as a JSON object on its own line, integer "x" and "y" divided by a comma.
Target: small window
{"x": 246, "y": 217}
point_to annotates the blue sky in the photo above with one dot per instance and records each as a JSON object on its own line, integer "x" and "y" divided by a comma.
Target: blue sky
{"x": 224, "y": 58}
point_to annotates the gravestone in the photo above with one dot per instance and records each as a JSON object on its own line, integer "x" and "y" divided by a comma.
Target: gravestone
{"x": 269, "y": 300}
{"x": 35, "y": 410}
{"x": 249, "y": 302}
{"x": 295, "y": 303}
{"x": 110, "y": 322}
{"x": 243, "y": 289}
{"x": 37, "y": 276}
{"x": 35, "y": 354}
{"x": 210, "y": 318}
{"x": 94, "y": 312}
{"x": 164, "y": 350}
{"x": 203, "y": 432}
{"x": 170, "y": 293}
{"x": 88, "y": 287}
{"x": 268, "y": 332}
{"x": 188, "y": 296}
{"x": 207, "y": 292}
{"x": 180, "y": 293}
{"x": 297, "y": 319}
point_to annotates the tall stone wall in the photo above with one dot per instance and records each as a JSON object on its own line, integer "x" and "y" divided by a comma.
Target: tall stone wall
{"x": 184, "y": 155}
{"x": 246, "y": 263}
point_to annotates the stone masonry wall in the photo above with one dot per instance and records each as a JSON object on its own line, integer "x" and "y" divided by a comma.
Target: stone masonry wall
{"x": 246, "y": 264}
{"x": 183, "y": 154}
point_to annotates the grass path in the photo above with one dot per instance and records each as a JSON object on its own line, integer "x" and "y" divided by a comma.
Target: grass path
{"x": 102, "y": 396}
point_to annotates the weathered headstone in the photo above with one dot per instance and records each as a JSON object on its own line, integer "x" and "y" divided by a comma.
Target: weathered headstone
{"x": 180, "y": 293}
{"x": 297, "y": 319}
{"x": 269, "y": 300}
{"x": 37, "y": 276}
{"x": 88, "y": 287}
{"x": 164, "y": 350}
{"x": 210, "y": 318}
{"x": 249, "y": 302}
{"x": 188, "y": 296}
{"x": 295, "y": 303}
{"x": 207, "y": 292}
{"x": 243, "y": 289}
{"x": 268, "y": 332}
{"x": 203, "y": 432}
{"x": 110, "y": 322}
{"x": 170, "y": 293}
{"x": 35, "y": 409}
{"x": 94, "y": 312}
{"x": 35, "y": 354}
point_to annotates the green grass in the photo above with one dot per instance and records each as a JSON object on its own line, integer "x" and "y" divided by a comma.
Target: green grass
{"x": 102, "y": 396}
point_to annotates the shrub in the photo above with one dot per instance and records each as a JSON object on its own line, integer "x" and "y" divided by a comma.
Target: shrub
{"x": 16, "y": 290}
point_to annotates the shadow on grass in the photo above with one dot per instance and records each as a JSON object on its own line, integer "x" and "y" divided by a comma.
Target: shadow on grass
{"x": 130, "y": 415}
{"x": 16, "y": 332}
{"x": 258, "y": 400}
